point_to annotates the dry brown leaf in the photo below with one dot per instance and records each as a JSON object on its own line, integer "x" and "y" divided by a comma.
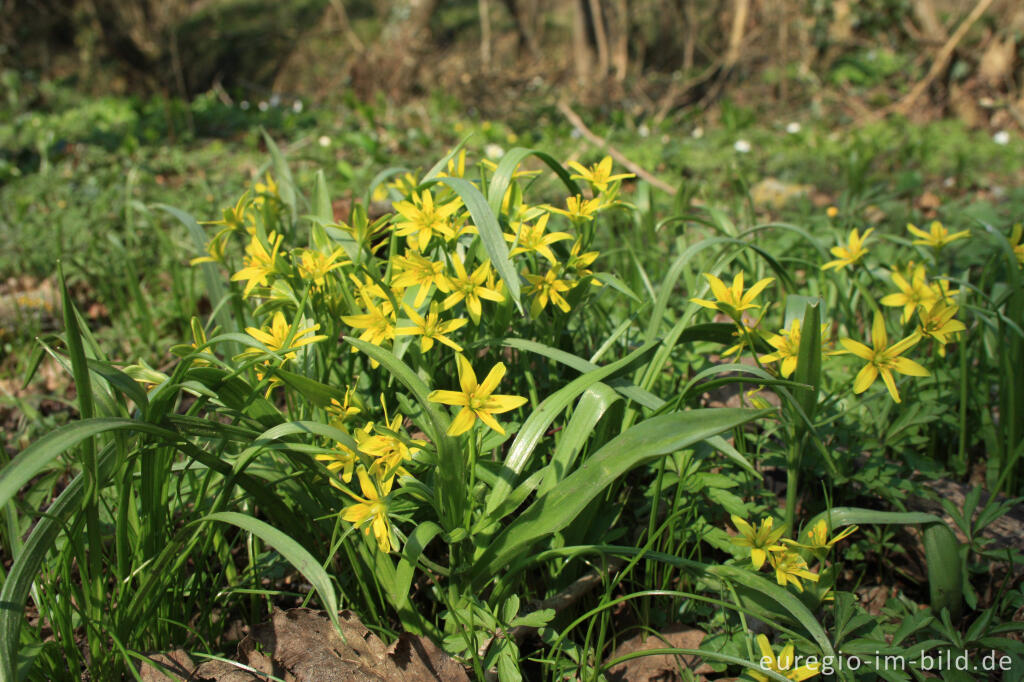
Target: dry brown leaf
{"x": 174, "y": 665}
{"x": 301, "y": 645}
{"x": 658, "y": 667}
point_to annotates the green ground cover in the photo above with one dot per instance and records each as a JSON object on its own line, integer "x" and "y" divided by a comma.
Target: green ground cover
{"x": 440, "y": 388}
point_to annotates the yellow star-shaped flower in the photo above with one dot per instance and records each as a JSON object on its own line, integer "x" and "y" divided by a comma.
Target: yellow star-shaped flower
{"x": 883, "y": 359}
{"x": 732, "y": 300}
{"x": 852, "y": 252}
{"x": 476, "y": 399}
{"x": 937, "y": 236}
{"x": 599, "y": 175}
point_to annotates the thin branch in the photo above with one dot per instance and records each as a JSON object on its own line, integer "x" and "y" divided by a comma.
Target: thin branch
{"x": 941, "y": 59}
{"x": 599, "y": 141}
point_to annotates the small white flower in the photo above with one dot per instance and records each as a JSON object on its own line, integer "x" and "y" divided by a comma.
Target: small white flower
{"x": 275, "y": 100}
{"x": 1001, "y": 138}
{"x": 244, "y": 105}
{"x": 697, "y": 133}
{"x": 742, "y": 146}
{"x": 575, "y": 134}
{"x": 793, "y": 128}
{"x": 493, "y": 151}
{"x": 324, "y": 141}
{"x": 297, "y": 106}
{"x": 643, "y": 130}
{"x": 262, "y": 106}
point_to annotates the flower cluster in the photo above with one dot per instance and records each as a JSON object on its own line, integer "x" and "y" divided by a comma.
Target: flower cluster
{"x": 418, "y": 282}
{"x": 765, "y": 543}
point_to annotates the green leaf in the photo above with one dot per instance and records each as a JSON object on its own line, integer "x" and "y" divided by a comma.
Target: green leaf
{"x": 36, "y": 457}
{"x": 491, "y": 235}
{"x": 850, "y": 516}
{"x": 537, "y": 423}
{"x": 591, "y": 407}
{"x": 293, "y": 552}
{"x": 502, "y": 177}
{"x": 781, "y": 596}
{"x": 286, "y": 188}
{"x": 18, "y": 584}
{"x": 644, "y": 442}
{"x": 808, "y": 363}
{"x": 945, "y": 577}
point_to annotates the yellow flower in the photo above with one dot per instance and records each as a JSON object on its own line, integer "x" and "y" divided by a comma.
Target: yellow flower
{"x": 415, "y": 270}
{"x": 580, "y": 262}
{"x": 371, "y": 510}
{"x": 732, "y": 300}
{"x": 378, "y": 324}
{"x": 388, "y": 449}
{"x": 471, "y": 288}
{"x": 578, "y": 209}
{"x": 745, "y": 334}
{"x": 790, "y": 567}
{"x": 941, "y": 291}
{"x": 817, "y": 538}
{"x": 544, "y": 288}
{"x": 787, "y": 348}
{"x": 423, "y": 219}
{"x": 259, "y": 262}
{"x": 851, "y": 253}
{"x": 339, "y": 412}
{"x": 938, "y": 323}
{"x": 216, "y": 248}
{"x": 782, "y": 664}
{"x": 832, "y": 211}
{"x": 883, "y": 359}
{"x": 1016, "y": 244}
{"x": 431, "y": 328}
{"x": 342, "y": 458}
{"x": 760, "y": 541}
{"x": 234, "y": 218}
{"x": 477, "y": 400}
{"x": 599, "y": 175}
{"x": 276, "y": 336}
{"x": 911, "y": 294}
{"x": 314, "y": 265}
{"x": 456, "y": 166}
{"x": 937, "y": 235}
{"x": 533, "y": 238}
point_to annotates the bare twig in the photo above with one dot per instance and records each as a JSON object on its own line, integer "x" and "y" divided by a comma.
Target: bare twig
{"x": 599, "y": 141}
{"x": 941, "y": 59}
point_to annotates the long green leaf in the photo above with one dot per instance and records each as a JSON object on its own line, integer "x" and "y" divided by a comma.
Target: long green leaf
{"x": 646, "y": 441}
{"x": 292, "y": 551}
{"x": 16, "y": 588}
{"x": 212, "y": 279}
{"x": 781, "y": 596}
{"x": 537, "y": 423}
{"x": 502, "y": 177}
{"x": 36, "y": 457}
{"x": 491, "y": 235}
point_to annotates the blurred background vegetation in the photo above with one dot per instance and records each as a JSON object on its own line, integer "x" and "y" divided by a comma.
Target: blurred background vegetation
{"x": 652, "y": 57}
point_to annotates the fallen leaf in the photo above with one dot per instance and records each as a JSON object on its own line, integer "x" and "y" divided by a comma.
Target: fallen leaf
{"x": 659, "y": 667}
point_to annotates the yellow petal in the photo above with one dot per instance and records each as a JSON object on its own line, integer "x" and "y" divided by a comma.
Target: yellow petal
{"x": 909, "y": 367}
{"x": 890, "y": 384}
{"x": 857, "y": 348}
{"x": 492, "y": 379}
{"x": 463, "y": 422}
{"x": 865, "y": 377}
{"x": 467, "y": 377}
